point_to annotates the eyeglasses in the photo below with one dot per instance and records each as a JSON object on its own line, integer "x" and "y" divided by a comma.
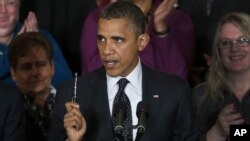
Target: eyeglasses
{"x": 240, "y": 42}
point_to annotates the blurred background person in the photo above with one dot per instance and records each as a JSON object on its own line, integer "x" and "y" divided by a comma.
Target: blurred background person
{"x": 224, "y": 99}
{"x": 100, "y": 3}
{"x": 64, "y": 19}
{"x": 32, "y": 68}
{"x": 206, "y": 15}
{"x": 10, "y": 27}
{"x": 12, "y": 121}
{"x": 171, "y": 38}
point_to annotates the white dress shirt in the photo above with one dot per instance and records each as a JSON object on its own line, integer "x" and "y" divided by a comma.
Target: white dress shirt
{"x": 133, "y": 90}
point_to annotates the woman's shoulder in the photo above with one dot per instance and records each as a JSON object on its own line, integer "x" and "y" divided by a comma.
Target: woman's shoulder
{"x": 200, "y": 88}
{"x": 199, "y": 94}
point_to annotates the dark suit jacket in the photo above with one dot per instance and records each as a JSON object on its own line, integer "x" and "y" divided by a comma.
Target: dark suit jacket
{"x": 12, "y": 122}
{"x": 170, "y": 115}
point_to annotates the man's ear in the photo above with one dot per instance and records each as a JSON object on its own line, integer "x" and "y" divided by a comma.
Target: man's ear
{"x": 13, "y": 74}
{"x": 143, "y": 40}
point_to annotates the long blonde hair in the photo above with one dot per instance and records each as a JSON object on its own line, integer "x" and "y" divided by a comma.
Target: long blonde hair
{"x": 217, "y": 76}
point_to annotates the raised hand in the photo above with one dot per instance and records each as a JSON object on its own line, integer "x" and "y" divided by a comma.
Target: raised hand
{"x": 74, "y": 123}
{"x": 161, "y": 13}
{"x": 30, "y": 24}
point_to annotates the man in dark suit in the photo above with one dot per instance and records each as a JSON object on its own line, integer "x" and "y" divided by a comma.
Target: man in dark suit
{"x": 12, "y": 123}
{"x": 121, "y": 35}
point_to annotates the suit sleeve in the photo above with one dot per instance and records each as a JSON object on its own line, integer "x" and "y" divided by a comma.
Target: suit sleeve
{"x": 57, "y": 131}
{"x": 184, "y": 124}
{"x": 15, "y": 121}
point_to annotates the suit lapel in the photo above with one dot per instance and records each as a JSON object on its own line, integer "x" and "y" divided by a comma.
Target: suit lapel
{"x": 101, "y": 107}
{"x": 150, "y": 93}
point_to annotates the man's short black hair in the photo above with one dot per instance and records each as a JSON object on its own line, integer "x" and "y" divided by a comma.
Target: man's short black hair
{"x": 127, "y": 10}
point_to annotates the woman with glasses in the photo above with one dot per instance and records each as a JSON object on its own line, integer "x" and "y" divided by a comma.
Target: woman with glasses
{"x": 224, "y": 99}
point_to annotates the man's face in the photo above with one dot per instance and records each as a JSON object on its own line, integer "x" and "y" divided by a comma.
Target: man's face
{"x": 118, "y": 46}
{"x": 33, "y": 72}
{"x": 9, "y": 15}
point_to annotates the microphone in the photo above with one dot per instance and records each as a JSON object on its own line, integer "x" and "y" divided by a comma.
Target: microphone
{"x": 120, "y": 115}
{"x": 142, "y": 119}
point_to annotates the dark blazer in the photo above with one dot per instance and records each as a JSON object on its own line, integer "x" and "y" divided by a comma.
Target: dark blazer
{"x": 166, "y": 97}
{"x": 12, "y": 122}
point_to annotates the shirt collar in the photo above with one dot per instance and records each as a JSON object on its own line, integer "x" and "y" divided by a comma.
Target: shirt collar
{"x": 134, "y": 78}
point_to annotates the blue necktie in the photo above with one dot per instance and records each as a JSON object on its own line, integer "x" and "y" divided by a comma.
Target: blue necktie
{"x": 121, "y": 97}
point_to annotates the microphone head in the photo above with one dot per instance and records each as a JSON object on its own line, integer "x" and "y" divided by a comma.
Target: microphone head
{"x": 142, "y": 118}
{"x": 141, "y": 108}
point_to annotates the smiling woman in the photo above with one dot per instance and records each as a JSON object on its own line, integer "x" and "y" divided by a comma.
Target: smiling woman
{"x": 224, "y": 100}
{"x": 32, "y": 68}
{"x": 9, "y": 10}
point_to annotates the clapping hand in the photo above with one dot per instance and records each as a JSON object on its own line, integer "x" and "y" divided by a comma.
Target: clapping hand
{"x": 161, "y": 13}
{"x": 229, "y": 115}
{"x": 30, "y": 24}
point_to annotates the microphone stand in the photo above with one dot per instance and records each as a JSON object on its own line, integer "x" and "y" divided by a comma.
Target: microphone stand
{"x": 139, "y": 134}
{"x": 118, "y": 135}
{"x": 119, "y": 138}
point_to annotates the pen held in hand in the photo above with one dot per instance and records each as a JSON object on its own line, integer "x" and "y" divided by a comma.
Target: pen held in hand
{"x": 74, "y": 99}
